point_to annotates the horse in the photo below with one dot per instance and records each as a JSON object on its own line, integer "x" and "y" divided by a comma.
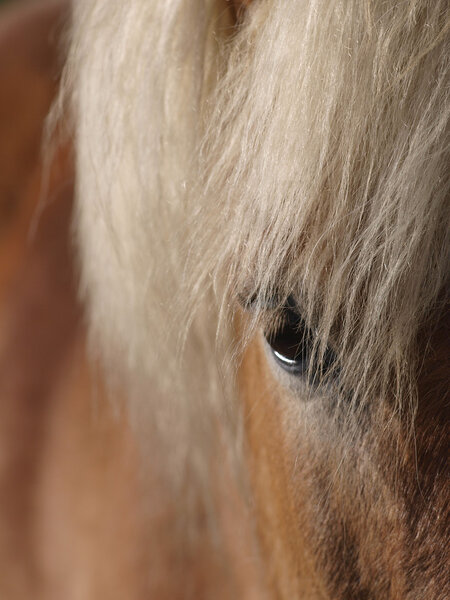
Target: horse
{"x": 261, "y": 232}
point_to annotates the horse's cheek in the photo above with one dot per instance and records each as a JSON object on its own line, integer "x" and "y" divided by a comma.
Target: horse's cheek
{"x": 289, "y": 564}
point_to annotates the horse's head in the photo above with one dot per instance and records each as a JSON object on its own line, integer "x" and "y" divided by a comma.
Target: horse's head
{"x": 263, "y": 197}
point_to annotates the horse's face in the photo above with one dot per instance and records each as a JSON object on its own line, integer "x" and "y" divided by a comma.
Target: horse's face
{"x": 348, "y": 508}
{"x": 350, "y": 503}
{"x": 290, "y": 188}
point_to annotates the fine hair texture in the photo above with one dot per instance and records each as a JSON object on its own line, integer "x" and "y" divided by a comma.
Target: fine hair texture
{"x": 303, "y": 153}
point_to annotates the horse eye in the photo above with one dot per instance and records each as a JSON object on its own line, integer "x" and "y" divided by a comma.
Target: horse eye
{"x": 292, "y": 345}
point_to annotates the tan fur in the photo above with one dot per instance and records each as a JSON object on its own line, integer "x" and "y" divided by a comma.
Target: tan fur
{"x": 345, "y": 208}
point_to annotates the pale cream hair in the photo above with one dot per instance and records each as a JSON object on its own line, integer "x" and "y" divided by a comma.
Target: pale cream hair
{"x": 303, "y": 153}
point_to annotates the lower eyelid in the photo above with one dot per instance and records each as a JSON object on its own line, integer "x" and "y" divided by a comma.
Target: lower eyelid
{"x": 295, "y": 368}
{"x": 284, "y": 359}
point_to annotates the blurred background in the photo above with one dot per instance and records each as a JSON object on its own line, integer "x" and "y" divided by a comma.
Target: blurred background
{"x": 67, "y": 464}
{"x": 64, "y": 474}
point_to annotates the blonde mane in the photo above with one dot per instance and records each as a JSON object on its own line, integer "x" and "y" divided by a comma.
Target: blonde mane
{"x": 304, "y": 153}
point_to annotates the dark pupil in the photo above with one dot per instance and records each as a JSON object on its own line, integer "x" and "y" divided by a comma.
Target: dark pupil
{"x": 293, "y": 342}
